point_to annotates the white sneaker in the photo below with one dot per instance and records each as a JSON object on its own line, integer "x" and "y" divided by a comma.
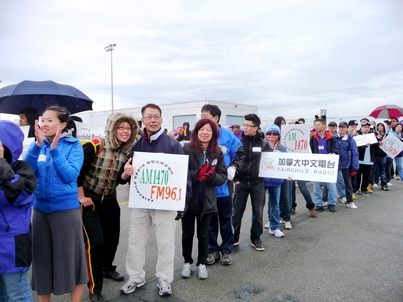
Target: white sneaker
{"x": 389, "y": 184}
{"x": 325, "y": 203}
{"x": 164, "y": 287}
{"x": 281, "y": 220}
{"x": 288, "y": 225}
{"x": 202, "y": 273}
{"x": 352, "y": 205}
{"x": 267, "y": 225}
{"x": 276, "y": 233}
{"x": 186, "y": 270}
{"x": 343, "y": 200}
{"x": 375, "y": 186}
{"x": 130, "y": 286}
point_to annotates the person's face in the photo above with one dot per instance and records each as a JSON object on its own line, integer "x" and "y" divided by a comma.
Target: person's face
{"x": 398, "y": 128}
{"x": 272, "y": 136}
{"x": 50, "y": 122}
{"x": 236, "y": 129}
{"x": 319, "y": 127}
{"x": 352, "y": 129}
{"x": 342, "y": 131}
{"x": 152, "y": 119}
{"x": 123, "y": 132}
{"x": 393, "y": 122}
{"x": 205, "y": 134}
{"x": 381, "y": 128}
{"x": 207, "y": 114}
{"x": 249, "y": 129}
{"x": 332, "y": 129}
{"x": 185, "y": 127}
{"x": 365, "y": 129}
{"x": 23, "y": 120}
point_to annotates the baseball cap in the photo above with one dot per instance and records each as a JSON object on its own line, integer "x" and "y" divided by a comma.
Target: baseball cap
{"x": 343, "y": 124}
{"x": 332, "y": 124}
{"x": 352, "y": 122}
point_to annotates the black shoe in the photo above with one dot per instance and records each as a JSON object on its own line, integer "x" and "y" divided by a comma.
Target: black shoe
{"x": 319, "y": 208}
{"x": 385, "y": 188}
{"x": 332, "y": 208}
{"x": 114, "y": 275}
{"x": 97, "y": 297}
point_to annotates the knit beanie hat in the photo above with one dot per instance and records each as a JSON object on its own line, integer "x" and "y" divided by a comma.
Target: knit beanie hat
{"x": 274, "y": 128}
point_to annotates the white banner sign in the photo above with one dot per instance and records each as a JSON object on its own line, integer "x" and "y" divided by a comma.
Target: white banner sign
{"x": 364, "y": 139}
{"x": 159, "y": 181}
{"x": 88, "y": 132}
{"x": 299, "y": 166}
{"x": 296, "y": 138}
{"x": 392, "y": 145}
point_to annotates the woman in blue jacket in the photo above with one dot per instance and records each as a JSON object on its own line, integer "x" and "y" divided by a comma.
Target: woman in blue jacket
{"x": 58, "y": 255}
{"x": 17, "y": 185}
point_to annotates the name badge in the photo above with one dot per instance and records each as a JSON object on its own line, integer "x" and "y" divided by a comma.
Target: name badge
{"x": 321, "y": 147}
{"x": 42, "y": 157}
{"x": 257, "y": 149}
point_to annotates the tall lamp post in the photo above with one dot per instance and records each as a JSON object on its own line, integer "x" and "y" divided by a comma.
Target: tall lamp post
{"x": 110, "y": 48}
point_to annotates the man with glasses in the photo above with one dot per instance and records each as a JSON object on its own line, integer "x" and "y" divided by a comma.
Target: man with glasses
{"x": 141, "y": 220}
{"x": 248, "y": 182}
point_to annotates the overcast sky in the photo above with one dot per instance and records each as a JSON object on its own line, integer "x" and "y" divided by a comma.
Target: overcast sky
{"x": 289, "y": 58}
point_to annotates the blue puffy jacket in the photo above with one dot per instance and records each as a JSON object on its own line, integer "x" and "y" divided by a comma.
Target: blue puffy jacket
{"x": 17, "y": 185}
{"x": 57, "y": 171}
{"x": 348, "y": 152}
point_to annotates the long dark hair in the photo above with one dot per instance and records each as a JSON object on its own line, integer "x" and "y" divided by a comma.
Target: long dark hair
{"x": 278, "y": 120}
{"x": 195, "y": 145}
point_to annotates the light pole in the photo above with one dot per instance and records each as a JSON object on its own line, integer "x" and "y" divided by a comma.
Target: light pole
{"x": 110, "y": 48}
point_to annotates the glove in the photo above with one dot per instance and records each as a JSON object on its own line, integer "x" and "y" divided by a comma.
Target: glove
{"x": 231, "y": 172}
{"x": 202, "y": 171}
{"x": 208, "y": 174}
{"x": 353, "y": 173}
{"x": 179, "y": 215}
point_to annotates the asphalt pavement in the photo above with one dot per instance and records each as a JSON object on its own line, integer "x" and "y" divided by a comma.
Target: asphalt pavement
{"x": 349, "y": 255}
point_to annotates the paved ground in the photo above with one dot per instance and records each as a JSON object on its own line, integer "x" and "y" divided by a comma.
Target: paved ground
{"x": 350, "y": 255}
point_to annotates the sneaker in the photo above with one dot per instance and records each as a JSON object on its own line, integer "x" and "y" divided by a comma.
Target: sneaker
{"x": 226, "y": 259}
{"x": 213, "y": 257}
{"x": 267, "y": 225}
{"x": 312, "y": 213}
{"x": 282, "y": 221}
{"x": 236, "y": 242}
{"x": 276, "y": 233}
{"x": 389, "y": 184}
{"x": 375, "y": 185}
{"x": 354, "y": 197}
{"x": 257, "y": 244}
{"x": 384, "y": 188}
{"x": 114, "y": 275}
{"x": 364, "y": 193}
{"x": 97, "y": 297}
{"x": 343, "y": 200}
{"x": 186, "y": 270}
{"x": 288, "y": 225}
{"x": 164, "y": 287}
{"x": 202, "y": 273}
{"x": 398, "y": 177}
{"x": 130, "y": 286}
{"x": 319, "y": 208}
{"x": 352, "y": 205}
{"x": 325, "y": 203}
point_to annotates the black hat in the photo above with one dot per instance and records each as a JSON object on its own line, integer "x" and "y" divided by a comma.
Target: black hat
{"x": 352, "y": 122}
{"x": 332, "y": 124}
{"x": 343, "y": 124}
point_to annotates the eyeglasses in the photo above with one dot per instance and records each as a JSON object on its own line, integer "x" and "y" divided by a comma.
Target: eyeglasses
{"x": 248, "y": 126}
{"x": 272, "y": 133}
{"x": 150, "y": 117}
{"x": 122, "y": 128}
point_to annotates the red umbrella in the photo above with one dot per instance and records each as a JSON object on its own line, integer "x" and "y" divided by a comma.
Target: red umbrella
{"x": 387, "y": 111}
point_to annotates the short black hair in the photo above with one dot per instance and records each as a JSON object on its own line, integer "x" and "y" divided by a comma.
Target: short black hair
{"x": 321, "y": 120}
{"x": 151, "y": 105}
{"x": 253, "y": 118}
{"x": 213, "y": 109}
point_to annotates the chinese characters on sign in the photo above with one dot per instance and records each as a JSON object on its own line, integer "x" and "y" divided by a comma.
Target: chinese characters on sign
{"x": 299, "y": 166}
{"x": 159, "y": 181}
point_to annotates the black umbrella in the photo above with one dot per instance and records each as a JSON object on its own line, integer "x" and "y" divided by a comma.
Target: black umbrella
{"x": 40, "y": 95}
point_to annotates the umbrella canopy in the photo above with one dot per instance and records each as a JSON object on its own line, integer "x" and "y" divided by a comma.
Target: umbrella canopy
{"x": 40, "y": 95}
{"x": 387, "y": 111}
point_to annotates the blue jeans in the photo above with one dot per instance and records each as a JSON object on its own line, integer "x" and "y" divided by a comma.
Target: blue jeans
{"x": 242, "y": 191}
{"x": 14, "y": 287}
{"x": 222, "y": 222}
{"x": 331, "y": 193}
{"x": 305, "y": 192}
{"x": 273, "y": 208}
{"x": 399, "y": 167}
{"x": 341, "y": 187}
{"x": 379, "y": 171}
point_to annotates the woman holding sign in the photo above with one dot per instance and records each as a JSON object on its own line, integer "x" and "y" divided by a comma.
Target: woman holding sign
{"x": 207, "y": 169}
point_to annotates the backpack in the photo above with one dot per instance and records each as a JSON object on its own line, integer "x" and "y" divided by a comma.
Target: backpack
{"x": 97, "y": 143}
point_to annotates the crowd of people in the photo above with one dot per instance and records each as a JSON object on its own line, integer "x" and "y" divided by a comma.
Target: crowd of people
{"x": 64, "y": 184}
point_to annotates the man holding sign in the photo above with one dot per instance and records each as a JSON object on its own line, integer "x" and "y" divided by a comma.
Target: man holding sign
{"x": 154, "y": 140}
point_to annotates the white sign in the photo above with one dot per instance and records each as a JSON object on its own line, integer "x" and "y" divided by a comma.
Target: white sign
{"x": 392, "y": 145}
{"x": 364, "y": 139}
{"x": 88, "y": 132}
{"x": 299, "y": 166}
{"x": 296, "y": 137}
{"x": 159, "y": 181}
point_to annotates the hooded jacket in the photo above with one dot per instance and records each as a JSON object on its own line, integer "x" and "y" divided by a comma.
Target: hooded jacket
{"x": 56, "y": 171}
{"x": 204, "y": 199}
{"x": 99, "y": 174}
{"x": 348, "y": 152}
{"x": 17, "y": 185}
{"x": 378, "y": 152}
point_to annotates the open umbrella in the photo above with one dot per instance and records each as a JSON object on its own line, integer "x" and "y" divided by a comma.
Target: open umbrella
{"x": 387, "y": 111}
{"x": 40, "y": 95}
